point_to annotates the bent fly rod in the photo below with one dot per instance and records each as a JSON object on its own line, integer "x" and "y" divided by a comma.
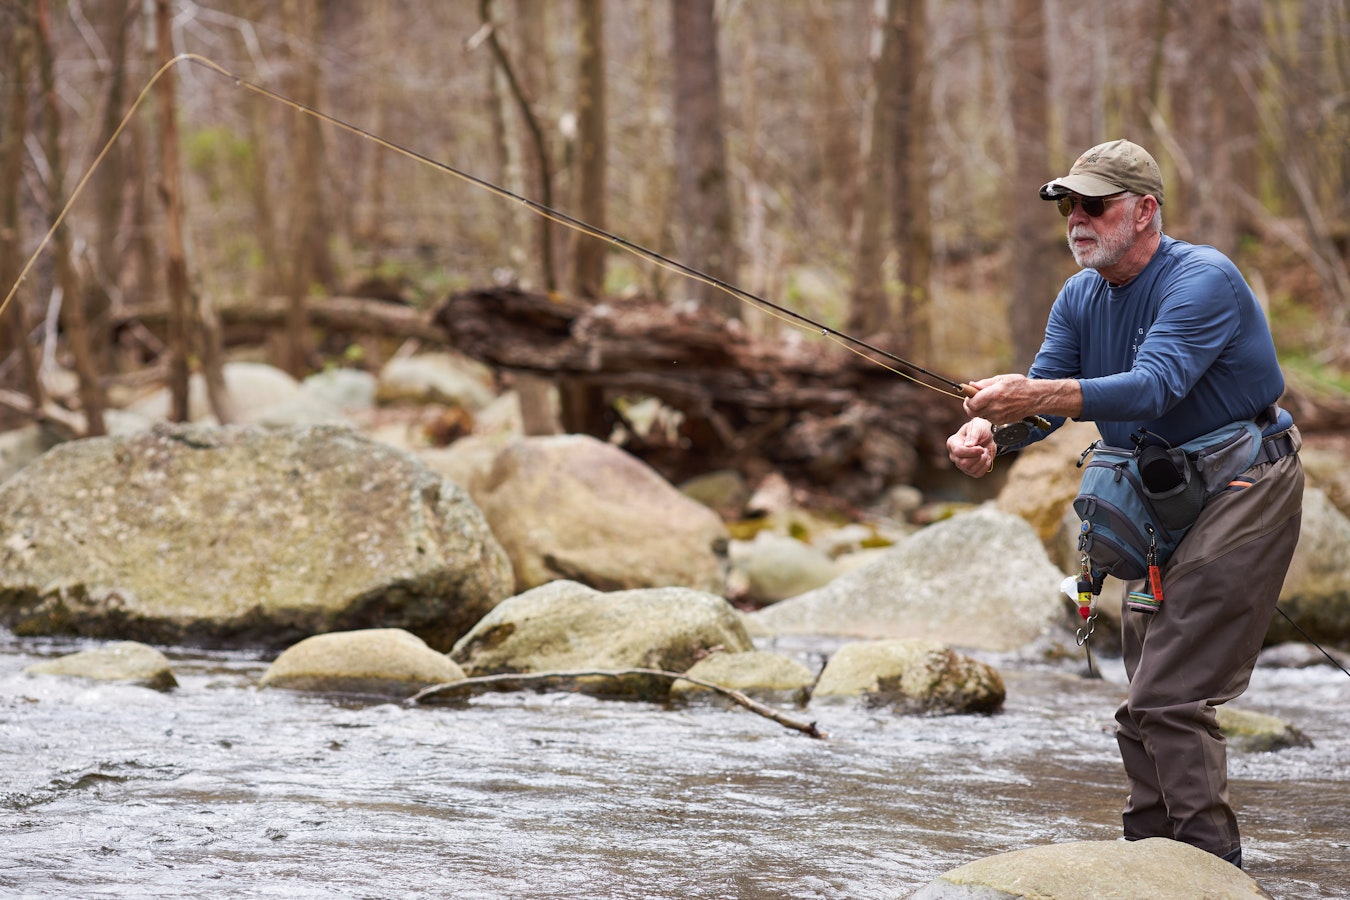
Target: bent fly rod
{"x": 1005, "y": 435}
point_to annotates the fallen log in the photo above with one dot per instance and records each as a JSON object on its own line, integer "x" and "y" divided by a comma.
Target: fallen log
{"x": 820, "y": 413}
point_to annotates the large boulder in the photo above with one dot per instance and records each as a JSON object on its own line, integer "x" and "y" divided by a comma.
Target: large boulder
{"x": 1156, "y": 868}
{"x": 1043, "y": 480}
{"x": 1316, "y": 592}
{"x": 255, "y": 390}
{"x": 21, "y": 446}
{"x": 572, "y": 507}
{"x": 377, "y": 661}
{"x": 980, "y": 580}
{"x": 127, "y": 661}
{"x": 911, "y": 677}
{"x": 564, "y": 626}
{"x": 1329, "y": 470}
{"x": 241, "y": 535}
{"x": 776, "y": 566}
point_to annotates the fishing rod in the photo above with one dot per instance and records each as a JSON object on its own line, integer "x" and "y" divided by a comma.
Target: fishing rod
{"x": 1004, "y": 435}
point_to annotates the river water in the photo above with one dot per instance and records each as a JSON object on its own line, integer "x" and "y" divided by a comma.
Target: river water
{"x": 219, "y": 789}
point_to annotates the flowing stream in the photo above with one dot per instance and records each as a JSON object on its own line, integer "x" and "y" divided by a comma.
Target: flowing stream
{"x": 218, "y": 789}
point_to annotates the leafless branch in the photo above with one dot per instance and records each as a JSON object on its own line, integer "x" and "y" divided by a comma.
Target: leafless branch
{"x": 482, "y": 681}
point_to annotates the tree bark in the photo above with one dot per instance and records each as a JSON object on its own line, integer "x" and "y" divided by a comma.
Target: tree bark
{"x": 92, "y": 400}
{"x": 176, "y": 280}
{"x": 706, "y": 238}
{"x": 870, "y": 313}
{"x": 588, "y": 260}
{"x": 110, "y": 182}
{"x": 1032, "y": 282}
{"x": 910, "y": 185}
{"x": 538, "y": 141}
{"x": 310, "y": 262}
{"x": 16, "y": 53}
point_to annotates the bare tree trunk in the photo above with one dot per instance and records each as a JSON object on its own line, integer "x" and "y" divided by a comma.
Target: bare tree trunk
{"x": 92, "y": 401}
{"x": 374, "y": 231}
{"x": 260, "y": 130}
{"x": 110, "y": 181}
{"x": 176, "y": 280}
{"x": 910, "y": 184}
{"x": 703, "y": 182}
{"x": 307, "y": 246}
{"x": 870, "y": 312}
{"x": 1032, "y": 283}
{"x": 835, "y": 125}
{"x": 1200, "y": 127}
{"x": 540, "y": 144}
{"x": 1249, "y": 62}
{"x": 16, "y": 54}
{"x": 588, "y": 261}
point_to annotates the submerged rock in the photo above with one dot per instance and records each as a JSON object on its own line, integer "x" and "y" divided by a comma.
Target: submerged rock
{"x": 124, "y": 661}
{"x": 911, "y": 677}
{"x": 566, "y": 626}
{"x": 1257, "y": 732}
{"x": 381, "y": 661}
{"x": 755, "y": 673}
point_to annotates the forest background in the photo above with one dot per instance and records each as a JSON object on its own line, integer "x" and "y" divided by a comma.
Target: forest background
{"x": 872, "y": 164}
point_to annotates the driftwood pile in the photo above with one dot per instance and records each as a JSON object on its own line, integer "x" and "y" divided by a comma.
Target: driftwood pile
{"x": 820, "y": 414}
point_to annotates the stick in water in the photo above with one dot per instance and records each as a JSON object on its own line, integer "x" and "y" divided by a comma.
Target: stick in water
{"x": 735, "y": 696}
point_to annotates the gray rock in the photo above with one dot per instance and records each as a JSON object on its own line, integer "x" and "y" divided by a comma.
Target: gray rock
{"x": 756, "y": 673}
{"x": 467, "y": 462}
{"x": 340, "y": 388}
{"x": 1316, "y": 592}
{"x": 1043, "y": 481}
{"x": 980, "y": 580}
{"x": 1157, "y": 868}
{"x": 1256, "y": 732}
{"x": 241, "y": 535}
{"x": 254, "y": 389}
{"x": 1301, "y": 655}
{"x": 123, "y": 661}
{"x": 1329, "y": 471}
{"x": 566, "y": 626}
{"x": 778, "y": 567}
{"x": 725, "y": 492}
{"x": 447, "y": 378}
{"x": 572, "y": 507}
{"x": 21, "y": 446}
{"x": 911, "y": 677}
{"x": 379, "y": 661}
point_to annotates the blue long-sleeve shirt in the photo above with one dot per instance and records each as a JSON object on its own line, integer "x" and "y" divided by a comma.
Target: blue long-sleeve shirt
{"x": 1182, "y": 349}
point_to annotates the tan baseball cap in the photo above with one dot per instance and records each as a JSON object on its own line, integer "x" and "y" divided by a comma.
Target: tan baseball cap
{"x": 1109, "y": 169}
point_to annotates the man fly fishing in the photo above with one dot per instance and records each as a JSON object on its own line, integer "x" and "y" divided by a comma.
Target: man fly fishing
{"x": 1162, "y": 343}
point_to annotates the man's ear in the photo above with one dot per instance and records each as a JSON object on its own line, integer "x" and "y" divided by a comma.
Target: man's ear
{"x": 1146, "y": 208}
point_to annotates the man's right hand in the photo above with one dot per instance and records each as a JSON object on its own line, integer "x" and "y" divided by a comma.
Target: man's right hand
{"x": 972, "y": 449}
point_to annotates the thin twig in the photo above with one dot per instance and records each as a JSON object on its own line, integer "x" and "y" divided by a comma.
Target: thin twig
{"x": 735, "y": 696}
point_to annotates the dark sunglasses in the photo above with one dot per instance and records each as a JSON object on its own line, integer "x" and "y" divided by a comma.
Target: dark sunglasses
{"x": 1093, "y": 206}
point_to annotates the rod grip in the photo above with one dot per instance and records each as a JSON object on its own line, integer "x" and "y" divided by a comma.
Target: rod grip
{"x": 967, "y": 390}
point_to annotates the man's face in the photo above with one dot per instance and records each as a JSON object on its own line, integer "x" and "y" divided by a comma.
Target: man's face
{"x": 1102, "y": 242}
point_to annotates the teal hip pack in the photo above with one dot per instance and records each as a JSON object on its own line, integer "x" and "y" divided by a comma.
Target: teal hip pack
{"x": 1137, "y": 504}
